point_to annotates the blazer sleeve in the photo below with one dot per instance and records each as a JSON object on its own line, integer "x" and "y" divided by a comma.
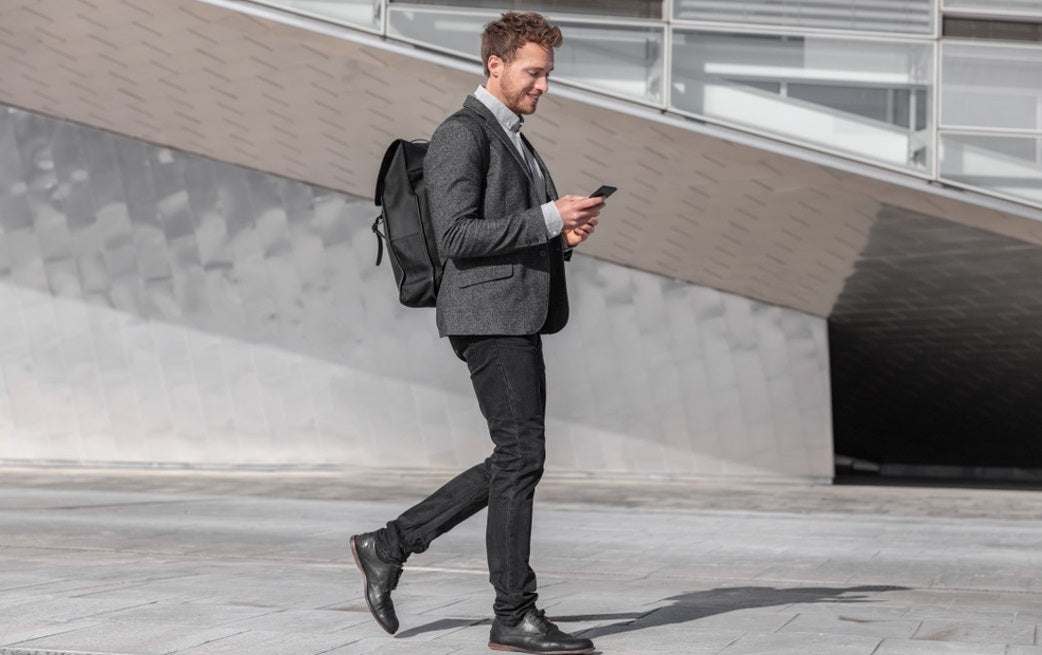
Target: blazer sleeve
{"x": 459, "y": 170}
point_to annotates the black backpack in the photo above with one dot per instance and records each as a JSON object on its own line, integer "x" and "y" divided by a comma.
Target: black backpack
{"x": 406, "y": 224}
{"x": 407, "y": 229}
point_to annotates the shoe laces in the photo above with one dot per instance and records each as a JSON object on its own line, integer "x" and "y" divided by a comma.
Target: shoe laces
{"x": 539, "y": 616}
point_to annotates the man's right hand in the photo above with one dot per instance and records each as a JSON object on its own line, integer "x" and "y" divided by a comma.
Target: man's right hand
{"x": 577, "y": 211}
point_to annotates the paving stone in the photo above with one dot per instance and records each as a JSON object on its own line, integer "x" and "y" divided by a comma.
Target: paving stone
{"x": 117, "y": 562}
{"x": 268, "y": 642}
{"x": 65, "y": 609}
{"x": 303, "y": 621}
{"x": 796, "y": 643}
{"x": 125, "y": 638}
{"x": 396, "y": 647}
{"x": 203, "y": 613}
{"x": 850, "y": 623}
{"x": 925, "y": 647}
{"x": 976, "y": 631}
{"x": 13, "y": 632}
{"x": 694, "y": 642}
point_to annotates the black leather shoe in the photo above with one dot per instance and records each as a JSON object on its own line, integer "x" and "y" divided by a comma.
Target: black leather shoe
{"x": 379, "y": 578}
{"x": 536, "y": 634}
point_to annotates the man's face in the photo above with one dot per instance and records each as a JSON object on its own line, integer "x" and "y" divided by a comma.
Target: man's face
{"x": 519, "y": 84}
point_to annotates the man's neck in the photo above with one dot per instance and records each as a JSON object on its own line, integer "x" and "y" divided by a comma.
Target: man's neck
{"x": 502, "y": 113}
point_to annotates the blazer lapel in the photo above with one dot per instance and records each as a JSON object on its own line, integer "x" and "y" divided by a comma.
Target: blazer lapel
{"x": 551, "y": 192}
{"x": 496, "y": 129}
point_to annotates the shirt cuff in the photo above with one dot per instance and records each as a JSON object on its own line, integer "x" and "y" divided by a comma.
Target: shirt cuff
{"x": 553, "y": 220}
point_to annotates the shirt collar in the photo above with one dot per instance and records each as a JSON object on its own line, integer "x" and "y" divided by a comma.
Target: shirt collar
{"x": 510, "y": 121}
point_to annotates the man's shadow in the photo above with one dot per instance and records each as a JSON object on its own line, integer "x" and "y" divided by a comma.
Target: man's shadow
{"x": 690, "y": 606}
{"x": 696, "y": 605}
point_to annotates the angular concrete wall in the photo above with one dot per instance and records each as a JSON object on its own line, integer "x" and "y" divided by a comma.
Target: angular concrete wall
{"x": 161, "y": 307}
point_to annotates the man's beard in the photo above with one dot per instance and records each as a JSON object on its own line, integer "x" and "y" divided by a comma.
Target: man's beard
{"x": 520, "y": 103}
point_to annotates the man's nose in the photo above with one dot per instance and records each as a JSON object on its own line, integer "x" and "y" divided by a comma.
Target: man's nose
{"x": 542, "y": 83}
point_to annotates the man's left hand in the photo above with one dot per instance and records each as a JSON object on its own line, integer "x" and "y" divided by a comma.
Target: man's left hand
{"x": 580, "y": 233}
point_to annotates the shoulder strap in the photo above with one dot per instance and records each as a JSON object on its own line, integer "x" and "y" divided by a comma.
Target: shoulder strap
{"x": 384, "y": 165}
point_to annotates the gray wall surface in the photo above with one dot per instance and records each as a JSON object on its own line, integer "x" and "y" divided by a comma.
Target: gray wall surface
{"x": 161, "y": 307}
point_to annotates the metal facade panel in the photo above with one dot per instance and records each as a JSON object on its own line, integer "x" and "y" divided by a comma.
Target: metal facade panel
{"x": 164, "y": 307}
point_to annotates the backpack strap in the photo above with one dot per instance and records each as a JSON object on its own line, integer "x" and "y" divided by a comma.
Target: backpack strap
{"x": 384, "y": 165}
{"x": 380, "y": 238}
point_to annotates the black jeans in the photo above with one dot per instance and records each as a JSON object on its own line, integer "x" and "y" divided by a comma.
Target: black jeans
{"x": 509, "y": 378}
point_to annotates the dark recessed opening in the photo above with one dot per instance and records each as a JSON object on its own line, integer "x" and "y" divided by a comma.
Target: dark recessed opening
{"x": 998, "y": 30}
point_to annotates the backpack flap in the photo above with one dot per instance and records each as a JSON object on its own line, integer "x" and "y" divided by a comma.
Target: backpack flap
{"x": 385, "y": 165}
{"x": 406, "y": 227}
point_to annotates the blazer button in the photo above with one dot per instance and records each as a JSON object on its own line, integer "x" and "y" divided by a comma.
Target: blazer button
{"x": 542, "y": 253}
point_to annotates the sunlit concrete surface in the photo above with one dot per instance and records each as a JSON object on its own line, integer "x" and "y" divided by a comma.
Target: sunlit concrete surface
{"x": 149, "y": 562}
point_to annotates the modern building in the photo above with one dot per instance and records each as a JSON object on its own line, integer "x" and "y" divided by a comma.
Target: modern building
{"x": 826, "y": 249}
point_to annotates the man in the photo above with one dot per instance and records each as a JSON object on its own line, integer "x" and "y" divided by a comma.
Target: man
{"x": 504, "y": 235}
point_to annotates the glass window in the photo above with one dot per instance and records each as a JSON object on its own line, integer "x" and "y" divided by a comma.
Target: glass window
{"x": 361, "y": 13}
{"x": 621, "y": 8}
{"x": 1009, "y": 165}
{"x": 870, "y": 99}
{"x": 906, "y": 16}
{"x": 621, "y": 60}
{"x": 995, "y": 86}
{"x": 455, "y": 32}
{"x": 894, "y": 106}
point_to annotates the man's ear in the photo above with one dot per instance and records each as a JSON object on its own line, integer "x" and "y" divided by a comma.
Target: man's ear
{"x": 495, "y": 65}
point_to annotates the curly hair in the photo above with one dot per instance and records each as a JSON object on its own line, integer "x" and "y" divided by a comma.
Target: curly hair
{"x": 504, "y": 37}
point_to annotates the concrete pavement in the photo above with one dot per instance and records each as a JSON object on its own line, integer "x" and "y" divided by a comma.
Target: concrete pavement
{"x": 165, "y": 561}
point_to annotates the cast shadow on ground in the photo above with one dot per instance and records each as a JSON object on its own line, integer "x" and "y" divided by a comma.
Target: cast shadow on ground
{"x": 696, "y": 605}
{"x": 690, "y": 606}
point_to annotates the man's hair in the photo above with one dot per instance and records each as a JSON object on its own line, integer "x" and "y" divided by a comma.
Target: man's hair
{"x": 504, "y": 37}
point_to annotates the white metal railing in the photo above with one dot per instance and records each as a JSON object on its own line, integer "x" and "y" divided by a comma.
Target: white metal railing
{"x": 840, "y": 52}
{"x": 997, "y": 8}
{"x": 903, "y": 16}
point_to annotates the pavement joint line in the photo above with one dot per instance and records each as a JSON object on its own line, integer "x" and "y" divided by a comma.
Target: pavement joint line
{"x": 142, "y": 503}
{"x": 441, "y": 569}
{"x": 158, "y": 554}
{"x": 48, "y": 651}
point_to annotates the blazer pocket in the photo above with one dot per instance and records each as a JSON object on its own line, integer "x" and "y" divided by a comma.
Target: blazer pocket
{"x": 481, "y": 274}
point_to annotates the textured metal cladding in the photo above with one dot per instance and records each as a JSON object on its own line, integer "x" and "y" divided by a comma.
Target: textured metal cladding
{"x": 162, "y": 306}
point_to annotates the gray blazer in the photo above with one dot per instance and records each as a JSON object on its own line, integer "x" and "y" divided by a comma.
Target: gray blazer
{"x": 502, "y": 274}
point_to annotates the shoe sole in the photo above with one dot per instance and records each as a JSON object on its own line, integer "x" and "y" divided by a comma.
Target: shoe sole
{"x": 515, "y": 649}
{"x": 365, "y": 588}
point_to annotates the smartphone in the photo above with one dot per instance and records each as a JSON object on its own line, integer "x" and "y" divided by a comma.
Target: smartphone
{"x": 603, "y": 191}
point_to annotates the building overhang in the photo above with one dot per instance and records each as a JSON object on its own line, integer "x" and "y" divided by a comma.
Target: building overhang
{"x": 698, "y": 203}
